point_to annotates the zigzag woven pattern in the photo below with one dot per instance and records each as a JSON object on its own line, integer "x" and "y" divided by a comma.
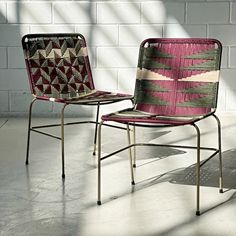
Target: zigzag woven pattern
{"x": 177, "y": 78}
{"x": 58, "y": 66}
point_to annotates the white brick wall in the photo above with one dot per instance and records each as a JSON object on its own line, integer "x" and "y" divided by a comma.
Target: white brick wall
{"x": 114, "y": 29}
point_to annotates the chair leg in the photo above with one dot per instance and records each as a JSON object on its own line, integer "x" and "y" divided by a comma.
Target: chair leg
{"x": 99, "y": 163}
{"x": 63, "y": 141}
{"x": 198, "y": 170}
{"x": 130, "y": 156}
{"x": 220, "y": 155}
{"x": 134, "y": 148}
{"x": 96, "y": 129}
{"x": 29, "y": 129}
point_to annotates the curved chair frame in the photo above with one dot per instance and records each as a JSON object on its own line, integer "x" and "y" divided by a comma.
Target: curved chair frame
{"x": 131, "y": 117}
{"x": 40, "y": 46}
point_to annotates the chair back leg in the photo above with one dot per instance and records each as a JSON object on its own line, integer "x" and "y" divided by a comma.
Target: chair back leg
{"x": 198, "y": 170}
{"x": 220, "y": 155}
{"x": 63, "y": 141}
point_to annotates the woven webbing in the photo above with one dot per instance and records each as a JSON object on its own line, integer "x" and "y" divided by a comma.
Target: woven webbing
{"x": 178, "y": 76}
{"x": 58, "y": 65}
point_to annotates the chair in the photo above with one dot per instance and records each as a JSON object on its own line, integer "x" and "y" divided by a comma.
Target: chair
{"x": 176, "y": 85}
{"x": 59, "y": 71}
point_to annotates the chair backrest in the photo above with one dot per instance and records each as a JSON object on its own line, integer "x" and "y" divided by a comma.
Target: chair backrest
{"x": 178, "y": 76}
{"x": 58, "y": 65}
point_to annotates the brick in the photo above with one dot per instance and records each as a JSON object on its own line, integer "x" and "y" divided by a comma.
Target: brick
{"x": 13, "y": 79}
{"x": 105, "y": 79}
{"x": 4, "y": 101}
{"x": 232, "y": 58}
{"x": 117, "y": 57}
{"x": 230, "y": 100}
{"x": 233, "y": 12}
{"x": 20, "y": 101}
{"x": 126, "y": 79}
{"x": 217, "y": 12}
{"x": 11, "y": 34}
{"x": 160, "y": 12}
{"x": 30, "y": 12}
{"x": 133, "y": 35}
{"x": 184, "y": 31}
{"x": 121, "y": 12}
{"x": 52, "y": 28}
{"x": 228, "y": 78}
{"x": 3, "y": 58}
{"x": 224, "y": 58}
{"x": 99, "y": 35}
{"x": 16, "y": 57}
{"x": 74, "y": 12}
{"x": 225, "y": 33}
{"x": 3, "y": 12}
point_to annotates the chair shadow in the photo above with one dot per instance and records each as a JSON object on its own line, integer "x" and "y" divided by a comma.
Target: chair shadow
{"x": 210, "y": 172}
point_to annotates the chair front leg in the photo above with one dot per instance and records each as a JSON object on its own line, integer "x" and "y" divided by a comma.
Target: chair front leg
{"x": 198, "y": 170}
{"x": 63, "y": 141}
{"x": 99, "y": 163}
{"x": 130, "y": 156}
{"x": 220, "y": 154}
{"x": 96, "y": 129}
{"x": 29, "y": 129}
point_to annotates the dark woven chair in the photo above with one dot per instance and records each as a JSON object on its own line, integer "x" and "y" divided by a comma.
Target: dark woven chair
{"x": 59, "y": 71}
{"x": 177, "y": 85}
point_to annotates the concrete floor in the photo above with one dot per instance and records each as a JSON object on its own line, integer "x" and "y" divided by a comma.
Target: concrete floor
{"x": 35, "y": 201}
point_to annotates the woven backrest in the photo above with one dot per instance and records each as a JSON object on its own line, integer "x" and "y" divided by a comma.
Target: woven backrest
{"x": 178, "y": 76}
{"x": 57, "y": 65}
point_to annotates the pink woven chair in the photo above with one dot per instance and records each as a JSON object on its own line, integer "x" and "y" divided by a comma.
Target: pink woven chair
{"x": 59, "y": 71}
{"x": 177, "y": 85}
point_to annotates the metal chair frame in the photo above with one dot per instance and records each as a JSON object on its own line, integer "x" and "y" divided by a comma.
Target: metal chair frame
{"x": 62, "y": 124}
{"x": 132, "y": 158}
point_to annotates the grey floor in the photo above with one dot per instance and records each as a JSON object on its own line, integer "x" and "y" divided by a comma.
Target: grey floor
{"x": 35, "y": 201}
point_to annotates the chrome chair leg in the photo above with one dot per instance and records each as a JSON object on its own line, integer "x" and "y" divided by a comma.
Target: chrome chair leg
{"x": 99, "y": 163}
{"x": 220, "y": 154}
{"x": 29, "y": 130}
{"x": 96, "y": 129}
{"x": 198, "y": 170}
{"x": 134, "y": 147}
{"x": 130, "y": 156}
{"x": 63, "y": 141}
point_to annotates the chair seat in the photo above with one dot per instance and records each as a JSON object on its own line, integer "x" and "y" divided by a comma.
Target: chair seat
{"x": 135, "y": 116}
{"x": 92, "y": 97}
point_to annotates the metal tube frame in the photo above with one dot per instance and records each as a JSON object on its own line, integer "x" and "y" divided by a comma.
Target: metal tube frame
{"x": 96, "y": 129}
{"x": 198, "y": 148}
{"x": 62, "y": 124}
{"x": 198, "y": 169}
{"x": 130, "y": 156}
{"x": 63, "y": 141}
{"x": 29, "y": 129}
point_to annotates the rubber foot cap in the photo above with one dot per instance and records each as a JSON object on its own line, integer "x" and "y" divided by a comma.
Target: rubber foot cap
{"x": 63, "y": 176}
{"x": 197, "y": 213}
{"x": 99, "y": 203}
{"x": 133, "y": 183}
{"x": 221, "y": 191}
{"x": 134, "y": 165}
{"x": 94, "y": 153}
{"x": 27, "y": 163}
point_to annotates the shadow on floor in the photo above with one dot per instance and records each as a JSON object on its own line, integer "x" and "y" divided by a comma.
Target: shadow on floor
{"x": 210, "y": 172}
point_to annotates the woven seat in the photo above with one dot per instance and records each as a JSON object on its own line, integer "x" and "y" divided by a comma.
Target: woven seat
{"x": 59, "y": 71}
{"x": 177, "y": 84}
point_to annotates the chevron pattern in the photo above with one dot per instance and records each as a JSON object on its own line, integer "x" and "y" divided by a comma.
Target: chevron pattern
{"x": 177, "y": 78}
{"x": 58, "y": 67}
